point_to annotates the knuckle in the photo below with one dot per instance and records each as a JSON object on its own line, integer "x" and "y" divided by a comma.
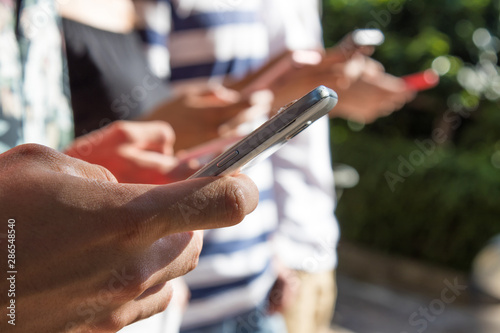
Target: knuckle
{"x": 189, "y": 263}
{"x": 196, "y": 246}
{"x": 104, "y": 174}
{"x": 192, "y": 264}
{"x": 112, "y": 323}
{"x": 117, "y": 125}
{"x": 167, "y": 127}
{"x": 162, "y": 306}
{"x": 31, "y": 151}
{"x": 87, "y": 170}
{"x": 165, "y": 131}
{"x": 191, "y": 245}
{"x": 29, "y": 161}
{"x": 168, "y": 131}
{"x": 119, "y": 128}
{"x": 136, "y": 286}
{"x": 162, "y": 124}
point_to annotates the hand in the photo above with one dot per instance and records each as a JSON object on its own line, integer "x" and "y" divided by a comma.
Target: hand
{"x": 287, "y": 77}
{"x": 193, "y": 159}
{"x": 306, "y": 70}
{"x": 371, "y": 97}
{"x": 366, "y": 92}
{"x": 284, "y": 290}
{"x": 94, "y": 255}
{"x": 135, "y": 152}
{"x": 200, "y": 117}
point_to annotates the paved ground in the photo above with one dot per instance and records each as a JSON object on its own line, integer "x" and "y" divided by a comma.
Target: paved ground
{"x": 368, "y": 308}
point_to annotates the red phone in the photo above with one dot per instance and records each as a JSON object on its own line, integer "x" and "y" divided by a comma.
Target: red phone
{"x": 422, "y": 80}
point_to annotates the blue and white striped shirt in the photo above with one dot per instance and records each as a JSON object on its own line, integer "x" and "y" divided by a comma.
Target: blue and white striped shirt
{"x": 205, "y": 41}
{"x": 218, "y": 38}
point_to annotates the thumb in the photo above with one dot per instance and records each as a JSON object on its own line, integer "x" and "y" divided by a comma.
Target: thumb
{"x": 194, "y": 204}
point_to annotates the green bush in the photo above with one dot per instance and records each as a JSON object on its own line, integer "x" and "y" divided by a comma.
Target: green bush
{"x": 430, "y": 199}
{"x": 431, "y": 203}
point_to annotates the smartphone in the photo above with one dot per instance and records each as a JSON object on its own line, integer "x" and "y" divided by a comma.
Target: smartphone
{"x": 367, "y": 37}
{"x": 269, "y": 137}
{"x": 422, "y": 81}
{"x": 360, "y": 40}
{"x": 206, "y": 152}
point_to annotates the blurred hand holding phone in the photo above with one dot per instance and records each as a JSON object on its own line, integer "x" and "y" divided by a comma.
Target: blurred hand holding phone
{"x": 278, "y": 69}
{"x": 200, "y": 115}
{"x": 367, "y": 91}
{"x": 295, "y": 72}
{"x": 286, "y": 124}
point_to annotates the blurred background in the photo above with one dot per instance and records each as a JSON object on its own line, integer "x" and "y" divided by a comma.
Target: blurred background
{"x": 428, "y": 197}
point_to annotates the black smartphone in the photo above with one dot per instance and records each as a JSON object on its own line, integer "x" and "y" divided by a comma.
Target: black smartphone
{"x": 269, "y": 137}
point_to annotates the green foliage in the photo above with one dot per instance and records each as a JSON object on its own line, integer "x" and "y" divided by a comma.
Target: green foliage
{"x": 442, "y": 207}
{"x": 447, "y": 208}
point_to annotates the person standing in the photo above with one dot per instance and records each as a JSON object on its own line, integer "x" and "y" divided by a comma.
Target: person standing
{"x": 78, "y": 241}
{"x": 205, "y": 47}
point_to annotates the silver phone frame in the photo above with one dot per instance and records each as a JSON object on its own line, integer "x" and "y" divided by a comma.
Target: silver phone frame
{"x": 286, "y": 124}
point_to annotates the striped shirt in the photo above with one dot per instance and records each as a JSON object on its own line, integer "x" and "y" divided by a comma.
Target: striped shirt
{"x": 303, "y": 179}
{"x": 206, "y": 41}
{"x": 209, "y": 40}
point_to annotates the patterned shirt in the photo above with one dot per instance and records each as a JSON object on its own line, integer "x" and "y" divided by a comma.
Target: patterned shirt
{"x": 33, "y": 105}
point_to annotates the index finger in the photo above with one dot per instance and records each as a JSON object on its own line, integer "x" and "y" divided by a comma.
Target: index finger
{"x": 154, "y": 135}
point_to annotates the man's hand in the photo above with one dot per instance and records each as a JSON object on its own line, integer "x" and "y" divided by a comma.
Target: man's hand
{"x": 284, "y": 290}
{"x": 198, "y": 117}
{"x": 135, "y": 152}
{"x": 366, "y": 92}
{"x": 372, "y": 97}
{"x": 93, "y": 255}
